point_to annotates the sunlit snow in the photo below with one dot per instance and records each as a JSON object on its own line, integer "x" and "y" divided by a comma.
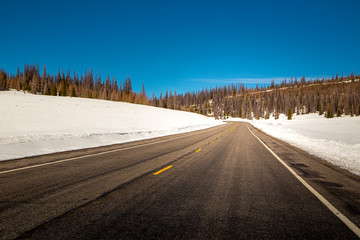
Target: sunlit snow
{"x": 37, "y": 124}
{"x": 336, "y": 140}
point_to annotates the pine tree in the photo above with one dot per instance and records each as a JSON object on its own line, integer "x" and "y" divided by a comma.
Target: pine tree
{"x": 338, "y": 114}
{"x": 53, "y": 91}
{"x": 46, "y": 88}
{"x": 62, "y": 91}
{"x": 73, "y": 92}
{"x": 290, "y": 113}
{"x": 329, "y": 113}
{"x": 34, "y": 84}
{"x": 2, "y": 80}
{"x": 319, "y": 108}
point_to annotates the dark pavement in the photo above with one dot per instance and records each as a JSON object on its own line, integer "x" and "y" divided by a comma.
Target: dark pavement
{"x": 219, "y": 183}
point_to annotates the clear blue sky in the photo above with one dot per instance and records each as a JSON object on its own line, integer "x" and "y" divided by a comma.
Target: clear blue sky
{"x": 183, "y": 45}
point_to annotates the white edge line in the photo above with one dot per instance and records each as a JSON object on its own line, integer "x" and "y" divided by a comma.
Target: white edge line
{"x": 96, "y": 154}
{"x": 336, "y": 212}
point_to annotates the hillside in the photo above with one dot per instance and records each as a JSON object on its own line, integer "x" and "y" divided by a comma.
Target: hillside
{"x": 331, "y": 97}
{"x": 39, "y": 124}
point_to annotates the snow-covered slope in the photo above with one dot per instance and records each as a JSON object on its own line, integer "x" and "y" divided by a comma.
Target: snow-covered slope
{"x": 35, "y": 124}
{"x": 336, "y": 140}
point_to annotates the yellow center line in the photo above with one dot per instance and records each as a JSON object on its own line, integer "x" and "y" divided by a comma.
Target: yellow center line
{"x": 228, "y": 131}
{"x": 212, "y": 141}
{"x": 198, "y": 150}
{"x": 164, "y": 169}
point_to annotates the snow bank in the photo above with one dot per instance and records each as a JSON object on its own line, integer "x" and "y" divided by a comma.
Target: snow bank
{"x": 37, "y": 124}
{"x": 336, "y": 140}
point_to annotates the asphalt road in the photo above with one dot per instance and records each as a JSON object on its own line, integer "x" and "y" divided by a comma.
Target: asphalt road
{"x": 219, "y": 183}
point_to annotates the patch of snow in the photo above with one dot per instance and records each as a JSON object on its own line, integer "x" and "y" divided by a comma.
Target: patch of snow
{"x": 336, "y": 140}
{"x": 37, "y": 124}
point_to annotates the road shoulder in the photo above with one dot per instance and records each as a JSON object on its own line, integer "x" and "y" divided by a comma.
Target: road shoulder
{"x": 340, "y": 187}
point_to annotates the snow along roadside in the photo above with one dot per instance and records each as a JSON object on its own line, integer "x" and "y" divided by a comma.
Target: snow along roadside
{"x": 37, "y": 124}
{"x": 335, "y": 140}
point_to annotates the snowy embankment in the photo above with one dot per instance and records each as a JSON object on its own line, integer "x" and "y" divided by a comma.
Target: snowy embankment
{"x": 36, "y": 124}
{"x": 336, "y": 140}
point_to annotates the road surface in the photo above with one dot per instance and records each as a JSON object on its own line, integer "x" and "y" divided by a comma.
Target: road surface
{"x": 218, "y": 183}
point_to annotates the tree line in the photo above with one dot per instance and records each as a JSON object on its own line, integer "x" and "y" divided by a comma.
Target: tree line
{"x": 86, "y": 85}
{"x": 332, "y": 97}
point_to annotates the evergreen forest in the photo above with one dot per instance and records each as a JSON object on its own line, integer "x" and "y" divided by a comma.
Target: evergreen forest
{"x": 332, "y": 97}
